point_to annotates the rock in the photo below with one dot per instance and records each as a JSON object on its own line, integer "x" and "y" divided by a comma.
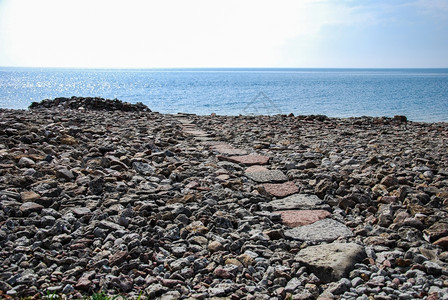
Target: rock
{"x": 65, "y": 174}
{"x": 228, "y": 149}
{"x": 436, "y": 231}
{"x": 255, "y": 169}
{"x": 325, "y": 230}
{"x": 96, "y": 186}
{"x": 81, "y": 211}
{"x": 118, "y": 258}
{"x": 215, "y": 246}
{"x": 389, "y": 181}
{"x": 294, "y": 218}
{"x": 442, "y": 242}
{"x": 247, "y": 160}
{"x": 29, "y": 207}
{"x": 123, "y": 283}
{"x": 267, "y": 176}
{"x": 143, "y": 168}
{"x": 26, "y": 162}
{"x": 280, "y": 190}
{"x": 29, "y": 196}
{"x": 298, "y": 201}
{"x": 331, "y": 262}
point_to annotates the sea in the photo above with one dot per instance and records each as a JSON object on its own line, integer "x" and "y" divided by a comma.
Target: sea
{"x": 419, "y": 94}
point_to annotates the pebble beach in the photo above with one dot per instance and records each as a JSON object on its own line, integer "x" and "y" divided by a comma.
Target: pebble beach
{"x": 104, "y": 196}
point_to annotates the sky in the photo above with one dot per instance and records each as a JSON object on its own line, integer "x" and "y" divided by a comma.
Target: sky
{"x": 224, "y": 33}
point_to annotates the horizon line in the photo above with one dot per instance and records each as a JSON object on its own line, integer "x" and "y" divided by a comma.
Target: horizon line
{"x": 225, "y": 68}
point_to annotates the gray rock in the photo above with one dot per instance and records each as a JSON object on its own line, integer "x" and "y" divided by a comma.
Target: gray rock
{"x": 267, "y": 176}
{"x": 143, "y": 168}
{"x": 331, "y": 262}
{"x": 299, "y": 201}
{"x": 26, "y": 162}
{"x": 325, "y": 230}
{"x": 65, "y": 174}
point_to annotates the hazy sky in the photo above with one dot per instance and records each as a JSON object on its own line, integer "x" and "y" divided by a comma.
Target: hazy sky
{"x": 228, "y": 33}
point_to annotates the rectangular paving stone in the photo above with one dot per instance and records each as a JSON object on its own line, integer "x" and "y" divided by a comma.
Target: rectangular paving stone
{"x": 326, "y": 230}
{"x": 248, "y": 160}
{"x": 294, "y": 218}
{"x": 280, "y": 190}
{"x": 228, "y": 149}
{"x": 267, "y": 176}
{"x": 299, "y": 201}
{"x": 331, "y": 262}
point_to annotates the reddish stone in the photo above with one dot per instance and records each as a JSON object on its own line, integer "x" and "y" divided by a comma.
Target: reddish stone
{"x": 280, "y": 190}
{"x": 223, "y": 273}
{"x": 248, "y": 160}
{"x": 295, "y": 218}
{"x": 255, "y": 169}
{"x": 117, "y": 258}
{"x": 83, "y": 284}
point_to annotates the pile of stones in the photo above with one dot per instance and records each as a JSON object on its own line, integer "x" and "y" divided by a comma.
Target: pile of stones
{"x": 90, "y": 103}
{"x": 221, "y": 207}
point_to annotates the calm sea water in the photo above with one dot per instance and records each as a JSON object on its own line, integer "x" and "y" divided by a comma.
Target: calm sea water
{"x": 420, "y": 94}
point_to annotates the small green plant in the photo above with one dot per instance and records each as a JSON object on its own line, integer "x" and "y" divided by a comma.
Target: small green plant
{"x": 52, "y": 296}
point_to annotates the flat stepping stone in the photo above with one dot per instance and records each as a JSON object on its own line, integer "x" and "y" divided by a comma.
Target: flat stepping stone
{"x": 326, "y": 230}
{"x": 295, "y": 218}
{"x": 248, "y": 160}
{"x": 256, "y": 168}
{"x": 331, "y": 262}
{"x": 280, "y": 190}
{"x": 197, "y": 132}
{"x": 267, "y": 176}
{"x": 228, "y": 149}
{"x": 299, "y": 201}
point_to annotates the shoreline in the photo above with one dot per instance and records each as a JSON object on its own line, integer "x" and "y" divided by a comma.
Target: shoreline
{"x": 195, "y": 207}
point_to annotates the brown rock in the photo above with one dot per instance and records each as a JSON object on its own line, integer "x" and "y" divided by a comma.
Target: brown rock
{"x": 223, "y": 273}
{"x": 215, "y": 246}
{"x": 436, "y": 231}
{"x": 29, "y": 207}
{"x": 280, "y": 190}
{"x": 233, "y": 261}
{"x": 442, "y": 242}
{"x": 117, "y": 258}
{"x": 196, "y": 227}
{"x": 275, "y": 234}
{"x": 294, "y": 218}
{"x": 389, "y": 181}
{"x": 245, "y": 259}
{"x": 68, "y": 140}
{"x": 29, "y": 196}
{"x": 83, "y": 284}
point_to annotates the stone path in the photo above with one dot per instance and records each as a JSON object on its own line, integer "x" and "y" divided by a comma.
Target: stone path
{"x": 308, "y": 217}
